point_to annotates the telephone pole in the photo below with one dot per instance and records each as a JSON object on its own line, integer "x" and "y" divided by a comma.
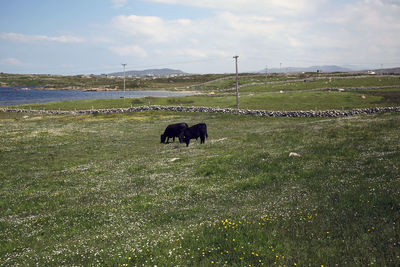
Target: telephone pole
{"x": 237, "y": 82}
{"x": 123, "y": 65}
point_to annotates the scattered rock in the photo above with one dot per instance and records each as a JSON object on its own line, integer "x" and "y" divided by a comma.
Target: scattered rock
{"x": 294, "y": 154}
{"x": 218, "y": 140}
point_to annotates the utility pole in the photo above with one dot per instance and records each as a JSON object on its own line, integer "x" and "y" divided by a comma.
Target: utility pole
{"x": 123, "y": 65}
{"x": 237, "y": 82}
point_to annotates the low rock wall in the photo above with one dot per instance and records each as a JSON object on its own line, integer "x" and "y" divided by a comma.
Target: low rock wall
{"x": 264, "y": 113}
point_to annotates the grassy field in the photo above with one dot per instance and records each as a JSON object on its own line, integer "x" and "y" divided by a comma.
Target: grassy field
{"x": 81, "y": 82}
{"x": 318, "y": 100}
{"x": 289, "y": 95}
{"x": 102, "y": 190}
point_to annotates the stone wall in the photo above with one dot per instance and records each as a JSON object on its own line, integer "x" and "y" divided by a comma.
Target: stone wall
{"x": 264, "y": 113}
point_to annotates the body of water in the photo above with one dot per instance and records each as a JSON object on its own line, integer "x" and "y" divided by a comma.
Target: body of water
{"x": 18, "y": 96}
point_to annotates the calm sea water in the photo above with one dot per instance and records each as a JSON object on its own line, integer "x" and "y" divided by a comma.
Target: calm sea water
{"x": 17, "y": 96}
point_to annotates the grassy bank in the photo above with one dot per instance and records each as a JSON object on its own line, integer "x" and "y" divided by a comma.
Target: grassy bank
{"x": 101, "y": 189}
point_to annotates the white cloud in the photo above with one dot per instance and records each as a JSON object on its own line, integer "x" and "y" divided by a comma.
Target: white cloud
{"x": 192, "y": 40}
{"x": 367, "y": 30}
{"x": 119, "y": 3}
{"x": 249, "y": 6}
{"x": 151, "y": 28}
{"x": 222, "y": 32}
{"x": 17, "y": 37}
{"x": 11, "y": 62}
{"x": 269, "y": 32}
{"x": 129, "y": 50}
{"x": 190, "y": 52}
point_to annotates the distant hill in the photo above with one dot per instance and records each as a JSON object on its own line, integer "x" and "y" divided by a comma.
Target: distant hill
{"x": 155, "y": 72}
{"x": 325, "y": 68}
{"x": 387, "y": 71}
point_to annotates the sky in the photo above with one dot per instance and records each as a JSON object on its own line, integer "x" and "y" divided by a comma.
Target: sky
{"x": 96, "y": 36}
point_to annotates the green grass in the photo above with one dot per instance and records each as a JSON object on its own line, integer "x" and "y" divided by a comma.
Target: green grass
{"x": 321, "y": 100}
{"x": 81, "y": 82}
{"x": 281, "y": 96}
{"x": 102, "y": 190}
{"x": 326, "y": 83}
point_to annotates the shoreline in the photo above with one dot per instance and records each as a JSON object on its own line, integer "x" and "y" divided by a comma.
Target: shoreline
{"x": 94, "y": 89}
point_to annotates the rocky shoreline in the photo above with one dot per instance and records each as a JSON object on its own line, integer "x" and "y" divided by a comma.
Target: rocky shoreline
{"x": 263, "y": 113}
